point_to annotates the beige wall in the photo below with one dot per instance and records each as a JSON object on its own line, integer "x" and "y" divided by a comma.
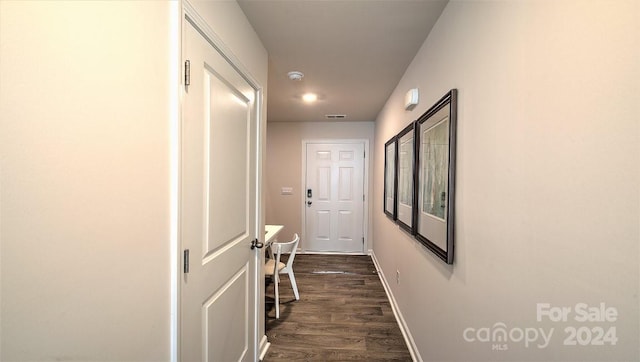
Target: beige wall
{"x": 84, "y": 140}
{"x": 85, "y": 161}
{"x": 547, "y": 207}
{"x": 283, "y": 167}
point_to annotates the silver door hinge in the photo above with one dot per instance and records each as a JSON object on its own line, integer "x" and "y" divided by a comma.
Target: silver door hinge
{"x": 187, "y": 72}
{"x": 363, "y": 240}
{"x": 185, "y": 256}
{"x": 362, "y": 197}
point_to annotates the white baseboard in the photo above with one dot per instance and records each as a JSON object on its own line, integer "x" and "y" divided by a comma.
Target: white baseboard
{"x": 406, "y": 333}
{"x": 264, "y": 347}
{"x": 329, "y": 252}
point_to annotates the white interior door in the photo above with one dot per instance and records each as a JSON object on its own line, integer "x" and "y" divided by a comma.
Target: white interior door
{"x": 218, "y": 208}
{"x": 334, "y": 197}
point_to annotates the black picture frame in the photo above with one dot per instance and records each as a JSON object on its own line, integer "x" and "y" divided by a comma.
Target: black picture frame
{"x": 390, "y": 177}
{"x": 406, "y": 177}
{"x": 435, "y": 166}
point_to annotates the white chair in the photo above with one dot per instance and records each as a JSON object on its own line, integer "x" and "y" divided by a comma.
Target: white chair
{"x": 275, "y": 267}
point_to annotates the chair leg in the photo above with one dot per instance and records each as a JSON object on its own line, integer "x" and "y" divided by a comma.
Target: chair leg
{"x": 277, "y": 294}
{"x": 294, "y": 285}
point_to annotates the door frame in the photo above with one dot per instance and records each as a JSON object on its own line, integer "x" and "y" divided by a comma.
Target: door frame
{"x": 188, "y": 14}
{"x": 303, "y": 187}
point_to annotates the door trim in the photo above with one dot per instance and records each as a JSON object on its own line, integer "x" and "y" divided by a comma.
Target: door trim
{"x": 198, "y": 22}
{"x": 365, "y": 213}
{"x": 188, "y": 14}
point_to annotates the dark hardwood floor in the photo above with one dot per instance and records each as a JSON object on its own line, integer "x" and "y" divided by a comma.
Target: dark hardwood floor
{"x": 343, "y": 314}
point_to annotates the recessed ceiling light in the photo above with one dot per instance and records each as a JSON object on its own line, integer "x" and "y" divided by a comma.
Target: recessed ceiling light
{"x": 309, "y": 97}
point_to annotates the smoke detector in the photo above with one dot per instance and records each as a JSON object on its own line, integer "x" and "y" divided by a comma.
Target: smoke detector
{"x": 295, "y": 75}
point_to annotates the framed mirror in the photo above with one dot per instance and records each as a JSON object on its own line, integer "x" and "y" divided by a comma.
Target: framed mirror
{"x": 436, "y": 139}
{"x": 390, "y": 177}
{"x": 406, "y": 178}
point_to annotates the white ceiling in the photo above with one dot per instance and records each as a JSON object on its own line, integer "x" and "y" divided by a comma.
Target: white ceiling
{"x": 352, "y": 53}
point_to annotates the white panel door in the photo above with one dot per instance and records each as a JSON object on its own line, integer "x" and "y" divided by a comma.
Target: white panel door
{"x": 334, "y": 197}
{"x": 218, "y": 208}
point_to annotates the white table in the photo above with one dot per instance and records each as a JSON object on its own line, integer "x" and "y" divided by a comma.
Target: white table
{"x": 271, "y": 233}
{"x": 269, "y": 237}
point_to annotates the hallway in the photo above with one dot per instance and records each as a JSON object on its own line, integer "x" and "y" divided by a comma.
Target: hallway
{"x": 343, "y": 313}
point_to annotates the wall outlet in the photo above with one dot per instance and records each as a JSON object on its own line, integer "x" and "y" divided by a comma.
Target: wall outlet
{"x": 397, "y": 276}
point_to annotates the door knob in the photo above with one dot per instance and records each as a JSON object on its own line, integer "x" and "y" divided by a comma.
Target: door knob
{"x": 309, "y": 203}
{"x": 256, "y": 244}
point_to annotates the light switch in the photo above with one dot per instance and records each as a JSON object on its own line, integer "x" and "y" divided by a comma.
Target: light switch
{"x": 286, "y": 191}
